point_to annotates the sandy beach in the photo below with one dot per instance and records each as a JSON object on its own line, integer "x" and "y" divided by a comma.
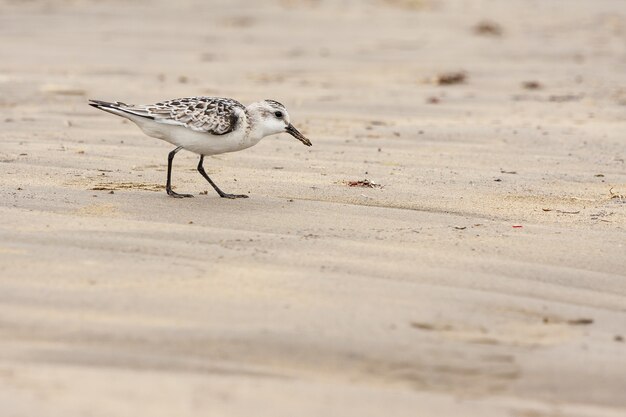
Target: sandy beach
{"x": 483, "y": 273}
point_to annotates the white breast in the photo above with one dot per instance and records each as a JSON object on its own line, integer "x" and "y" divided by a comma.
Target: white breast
{"x": 197, "y": 142}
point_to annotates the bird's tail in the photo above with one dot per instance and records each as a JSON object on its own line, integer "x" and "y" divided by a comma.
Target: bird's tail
{"x": 118, "y": 105}
{"x": 115, "y": 108}
{"x": 121, "y": 109}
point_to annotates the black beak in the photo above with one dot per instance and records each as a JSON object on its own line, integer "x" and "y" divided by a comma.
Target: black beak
{"x": 294, "y": 132}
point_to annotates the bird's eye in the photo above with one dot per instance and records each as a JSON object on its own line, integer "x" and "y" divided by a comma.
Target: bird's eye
{"x": 278, "y": 114}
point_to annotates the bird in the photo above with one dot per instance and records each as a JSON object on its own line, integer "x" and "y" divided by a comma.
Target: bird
{"x": 206, "y": 126}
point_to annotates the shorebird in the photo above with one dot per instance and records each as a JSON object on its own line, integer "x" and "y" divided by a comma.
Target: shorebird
{"x": 206, "y": 126}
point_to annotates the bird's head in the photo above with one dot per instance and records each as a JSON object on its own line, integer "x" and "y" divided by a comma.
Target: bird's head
{"x": 273, "y": 119}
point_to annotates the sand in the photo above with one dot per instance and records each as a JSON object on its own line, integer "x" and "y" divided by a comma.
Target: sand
{"x": 486, "y": 277}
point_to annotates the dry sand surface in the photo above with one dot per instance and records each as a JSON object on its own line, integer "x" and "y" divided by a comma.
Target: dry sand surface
{"x": 485, "y": 278}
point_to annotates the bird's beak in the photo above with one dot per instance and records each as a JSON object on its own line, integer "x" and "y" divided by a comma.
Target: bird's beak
{"x": 294, "y": 132}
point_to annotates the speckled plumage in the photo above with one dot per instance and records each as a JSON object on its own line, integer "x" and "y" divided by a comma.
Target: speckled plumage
{"x": 214, "y": 115}
{"x": 275, "y": 103}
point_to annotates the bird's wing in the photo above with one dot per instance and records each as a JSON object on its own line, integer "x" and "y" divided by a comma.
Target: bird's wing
{"x": 214, "y": 115}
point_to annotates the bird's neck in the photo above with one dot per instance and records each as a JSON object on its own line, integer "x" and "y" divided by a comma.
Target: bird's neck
{"x": 255, "y": 129}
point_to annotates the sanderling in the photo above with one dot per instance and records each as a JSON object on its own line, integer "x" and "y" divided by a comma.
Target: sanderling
{"x": 206, "y": 126}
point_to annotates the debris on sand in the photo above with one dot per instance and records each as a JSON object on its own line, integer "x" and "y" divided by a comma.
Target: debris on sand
{"x": 561, "y": 211}
{"x": 488, "y": 28}
{"x": 113, "y": 186}
{"x": 450, "y": 78}
{"x": 532, "y": 85}
{"x": 616, "y": 195}
{"x": 428, "y": 326}
{"x": 568, "y": 212}
{"x": 583, "y": 321}
{"x": 580, "y": 322}
{"x": 363, "y": 183}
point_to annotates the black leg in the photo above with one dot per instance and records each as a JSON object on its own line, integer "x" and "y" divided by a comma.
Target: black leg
{"x": 168, "y": 185}
{"x": 220, "y": 192}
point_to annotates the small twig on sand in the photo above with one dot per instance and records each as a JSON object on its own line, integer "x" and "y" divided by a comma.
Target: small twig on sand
{"x": 450, "y": 78}
{"x": 568, "y": 212}
{"x": 616, "y": 195}
{"x": 363, "y": 183}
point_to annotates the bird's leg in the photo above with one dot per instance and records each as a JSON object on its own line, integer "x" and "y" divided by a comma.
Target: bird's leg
{"x": 168, "y": 185}
{"x": 220, "y": 192}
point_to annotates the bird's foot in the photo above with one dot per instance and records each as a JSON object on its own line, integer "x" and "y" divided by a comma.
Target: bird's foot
{"x": 224, "y": 195}
{"x": 176, "y": 195}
